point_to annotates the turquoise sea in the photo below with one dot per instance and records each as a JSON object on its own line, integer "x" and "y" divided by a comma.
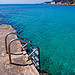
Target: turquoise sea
{"x": 51, "y": 27}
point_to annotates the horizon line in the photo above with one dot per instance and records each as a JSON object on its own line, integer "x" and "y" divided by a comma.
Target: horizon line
{"x": 23, "y": 3}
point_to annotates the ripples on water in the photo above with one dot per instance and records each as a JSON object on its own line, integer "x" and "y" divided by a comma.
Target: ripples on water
{"x": 51, "y": 27}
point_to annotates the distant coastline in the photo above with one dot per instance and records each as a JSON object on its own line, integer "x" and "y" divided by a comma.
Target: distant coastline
{"x": 57, "y": 3}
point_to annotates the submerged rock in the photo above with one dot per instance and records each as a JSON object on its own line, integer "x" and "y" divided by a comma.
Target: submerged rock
{"x": 3, "y": 21}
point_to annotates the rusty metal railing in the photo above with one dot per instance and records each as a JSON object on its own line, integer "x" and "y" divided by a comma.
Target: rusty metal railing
{"x": 16, "y": 35}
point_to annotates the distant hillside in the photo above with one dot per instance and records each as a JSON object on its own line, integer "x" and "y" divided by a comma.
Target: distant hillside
{"x": 63, "y": 1}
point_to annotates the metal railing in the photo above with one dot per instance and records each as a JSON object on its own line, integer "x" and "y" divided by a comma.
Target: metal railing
{"x": 32, "y": 54}
{"x": 17, "y": 39}
{"x": 16, "y": 35}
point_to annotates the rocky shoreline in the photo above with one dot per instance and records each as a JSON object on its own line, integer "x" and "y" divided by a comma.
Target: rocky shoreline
{"x": 58, "y": 3}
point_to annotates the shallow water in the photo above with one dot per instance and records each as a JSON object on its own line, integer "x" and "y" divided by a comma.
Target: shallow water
{"x": 51, "y": 27}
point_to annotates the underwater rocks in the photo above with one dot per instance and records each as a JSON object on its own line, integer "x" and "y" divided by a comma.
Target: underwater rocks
{"x": 3, "y": 21}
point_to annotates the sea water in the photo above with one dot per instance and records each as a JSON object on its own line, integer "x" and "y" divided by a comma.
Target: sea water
{"x": 51, "y": 27}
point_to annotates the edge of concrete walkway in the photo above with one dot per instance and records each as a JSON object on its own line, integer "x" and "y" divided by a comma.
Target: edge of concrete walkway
{"x": 34, "y": 71}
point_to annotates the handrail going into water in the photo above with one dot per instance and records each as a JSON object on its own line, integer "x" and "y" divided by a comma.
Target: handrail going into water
{"x": 16, "y": 35}
{"x": 17, "y": 39}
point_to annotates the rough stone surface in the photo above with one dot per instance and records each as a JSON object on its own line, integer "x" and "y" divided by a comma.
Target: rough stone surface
{"x": 20, "y": 66}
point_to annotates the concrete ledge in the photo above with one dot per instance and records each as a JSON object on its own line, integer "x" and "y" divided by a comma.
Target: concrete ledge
{"x": 25, "y": 67}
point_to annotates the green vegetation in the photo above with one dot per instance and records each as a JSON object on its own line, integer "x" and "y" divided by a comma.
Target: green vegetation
{"x": 63, "y": 1}
{"x": 74, "y": 1}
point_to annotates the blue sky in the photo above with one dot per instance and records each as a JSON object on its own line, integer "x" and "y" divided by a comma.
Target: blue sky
{"x": 21, "y": 1}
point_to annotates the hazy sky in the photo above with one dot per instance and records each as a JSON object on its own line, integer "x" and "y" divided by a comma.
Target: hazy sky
{"x": 21, "y": 1}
